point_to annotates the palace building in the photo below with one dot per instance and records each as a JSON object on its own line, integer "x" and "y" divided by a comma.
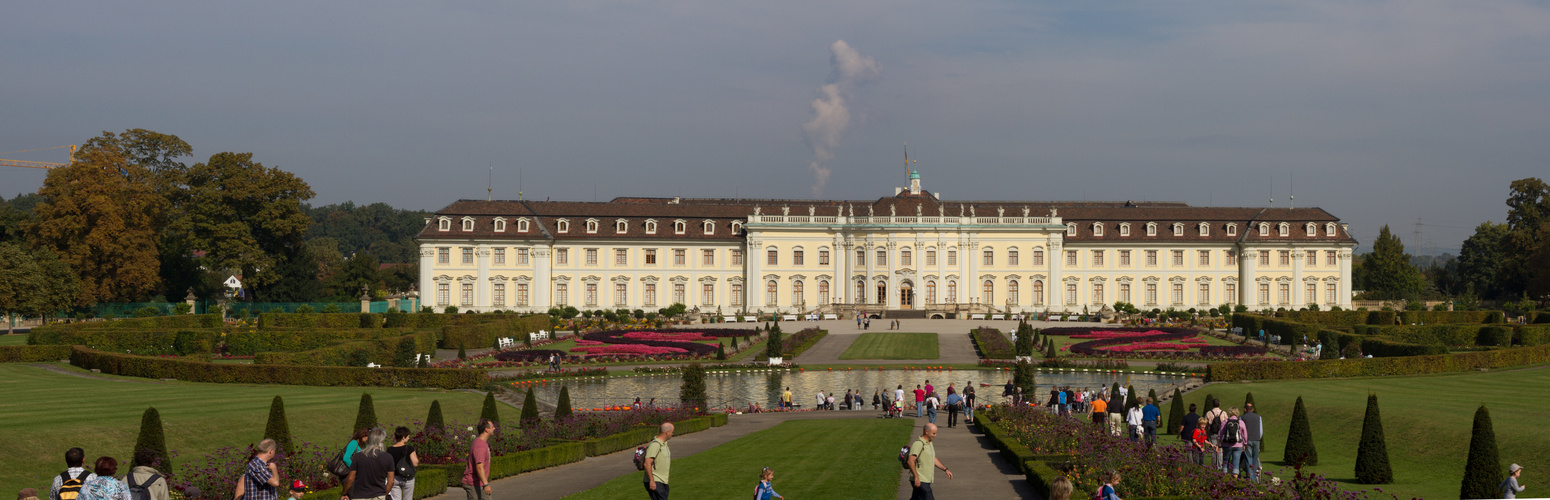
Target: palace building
{"x": 911, "y": 251}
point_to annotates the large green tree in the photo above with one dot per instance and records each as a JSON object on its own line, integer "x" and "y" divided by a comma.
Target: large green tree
{"x": 34, "y": 283}
{"x": 154, "y": 159}
{"x": 246, "y": 216}
{"x": 1481, "y": 259}
{"x": 1387, "y": 269}
{"x": 100, "y": 215}
{"x": 1528, "y": 223}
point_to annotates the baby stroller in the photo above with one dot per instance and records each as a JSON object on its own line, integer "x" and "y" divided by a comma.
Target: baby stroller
{"x": 894, "y": 410}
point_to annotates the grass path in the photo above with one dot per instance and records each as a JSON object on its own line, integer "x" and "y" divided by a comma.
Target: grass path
{"x": 1427, "y": 422}
{"x": 13, "y": 339}
{"x": 893, "y": 345}
{"x": 811, "y": 459}
{"x": 48, "y": 412}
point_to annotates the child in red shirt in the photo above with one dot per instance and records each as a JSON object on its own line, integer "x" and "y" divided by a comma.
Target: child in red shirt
{"x": 1199, "y": 445}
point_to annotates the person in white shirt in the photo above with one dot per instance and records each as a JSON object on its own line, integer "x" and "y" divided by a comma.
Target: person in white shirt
{"x": 821, "y": 401}
{"x": 931, "y": 404}
{"x": 1133, "y": 419}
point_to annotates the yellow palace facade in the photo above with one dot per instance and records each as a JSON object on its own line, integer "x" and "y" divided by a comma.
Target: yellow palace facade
{"x": 911, "y": 251}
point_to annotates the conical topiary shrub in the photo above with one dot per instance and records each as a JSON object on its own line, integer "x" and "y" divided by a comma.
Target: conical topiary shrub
{"x": 490, "y": 411}
{"x": 1024, "y": 378}
{"x": 529, "y": 409}
{"x": 1248, "y": 399}
{"x": 366, "y": 416}
{"x": 1176, "y": 412}
{"x": 562, "y": 406}
{"x": 1372, "y": 454}
{"x": 433, "y": 419}
{"x": 461, "y": 352}
{"x": 721, "y": 351}
{"x": 775, "y": 348}
{"x": 1299, "y": 438}
{"x": 1483, "y": 469}
{"x": 1114, "y": 397}
{"x": 1135, "y": 397}
{"x": 1152, "y": 393}
{"x": 278, "y": 428}
{"x": 152, "y": 438}
{"x": 692, "y": 393}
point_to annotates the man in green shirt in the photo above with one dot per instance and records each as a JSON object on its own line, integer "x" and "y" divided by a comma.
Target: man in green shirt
{"x": 923, "y": 464}
{"x": 659, "y": 460}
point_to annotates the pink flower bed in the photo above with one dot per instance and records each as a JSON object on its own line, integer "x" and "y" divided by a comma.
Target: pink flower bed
{"x": 627, "y": 350}
{"x": 668, "y": 336}
{"x": 589, "y": 342}
{"x": 1104, "y": 334}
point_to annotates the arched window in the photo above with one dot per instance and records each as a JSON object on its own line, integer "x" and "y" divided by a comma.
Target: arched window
{"x": 500, "y": 225}
{"x": 1178, "y": 229}
{"x": 1312, "y": 229}
{"x": 860, "y": 297}
{"x": 591, "y": 226}
{"x": 1124, "y": 229}
{"x": 1285, "y": 229}
{"x": 1097, "y": 229}
{"x": 737, "y": 227}
{"x": 1011, "y": 292}
{"x": 1070, "y": 229}
{"x": 930, "y": 292}
{"x": 1151, "y": 229}
{"x": 468, "y": 223}
{"x": 1329, "y": 230}
{"x": 651, "y": 227}
{"x": 710, "y": 227}
{"x": 952, "y": 292}
{"x": 621, "y": 226}
{"x": 562, "y": 225}
{"x": 522, "y": 225}
{"x": 796, "y": 293}
{"x": 1232, "y": 229}
{"x": 823, "y": 292}
{"x": 444, "y": 224}
{"x": 1264, "y": 229}
{"x": 680, "y": 226}
{"x": 988, "y": 294}
{"x": 882, "y": 292}
{"x": 1038, "y": 292}
{"x": 771, "y": 293}
{"x": 1038, "y": 257}
{"x": 1205, "y": 229}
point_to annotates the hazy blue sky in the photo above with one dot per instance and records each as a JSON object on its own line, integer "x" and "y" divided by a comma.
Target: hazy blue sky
{"x": 1382, "y": 112}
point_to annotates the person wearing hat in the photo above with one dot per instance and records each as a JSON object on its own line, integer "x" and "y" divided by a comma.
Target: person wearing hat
{"x": 298, "y": 489}
{"x": 27, "y": 494}
{"x": 1510, "y": 488}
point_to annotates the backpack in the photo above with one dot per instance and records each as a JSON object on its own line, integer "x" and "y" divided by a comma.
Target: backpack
{"x": 904, "y": 457}
{"x": 140, "y": 491}
{"x": 640, "y": 458}
{"x": 1216, "y": 424}
{"x": 404, "y": 469}
{"x": 1231, "y": 431}
{"x": 70, "y": 487}
{"x": 1104, "y": 492}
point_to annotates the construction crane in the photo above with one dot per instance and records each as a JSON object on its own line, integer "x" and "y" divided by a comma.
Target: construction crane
{"x": 46, "y": 165}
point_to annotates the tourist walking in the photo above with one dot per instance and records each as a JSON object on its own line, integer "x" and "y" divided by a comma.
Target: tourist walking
{"x": 1106, "y": 492}
{"x": 1149, "y": 416}
{"x": 67, "y": 485}
{"x": 350, "y": 448}
{"x": 1009, "y": 390}
{"x": 406, "y": 460}
{"x": 1214, "y": 419}
{"x": 923, "y": 464}
{"x": 1231, "y": 439}
{"x": 658, "y": 462}
{"x": 931, "y": 404}
{"x": 968, "y": 402}
{"x": 261, "y": 479}
{"x": 1199, "y": 445}
{"x": 1510, "y": 487}
{"x": 143, "y": 475}
{"x": 371, "y": 476}
{"x": 1133, "y": 420}
{"x": 103, "y": 486}
{"x": 954, "y": 405}
{"x": 1187, "y": 431}
{"x": 1116, "y": 414}
{"x": 920, "y": 397}
{"x": 1256, "y": 431}
{"x": 476, "y": 476}
{"x": 765, "y": 490}
{"x": 877, "y": 399}
{"x": 1100, "y": 406}
{"x": 929, "y": 388}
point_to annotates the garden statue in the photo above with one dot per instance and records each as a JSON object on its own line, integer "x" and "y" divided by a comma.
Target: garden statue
{"x": 811, "y": 210}
{"x": 971, "y": 211}
{"x": 785, "y": 210}
{"x": 941, "y": 210}
{"x": 893, "y": 212}
{"x": 1000, "y": 211}
{"x": 870, "y": 212}
{"x": 1025, "y": 211}
{"x": 917, "y": 210}
{"x": 756, "y": 211}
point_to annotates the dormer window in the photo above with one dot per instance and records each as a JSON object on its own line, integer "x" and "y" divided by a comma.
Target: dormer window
{"x": 1205, "y": 229}
{"x": 1232, "y": 229}
{"x": 1313, "y": 229}
{"x": 621, "y": 226}
{"x": 1151, "y": 229}
{"x": 1070, "y": 229}
{"x": 1124, "y": 229}
{"x": 1329, "y": 230}
{"x": 522, "y": 225}
{"x": 591, "y": 226}
{"x": 1264, "y": 229}
{"x": 444, "y": 224}
{"x": 710, "y": 227}
{"x": 1097, "y": 229}
{"x": 651, "y": 226}
{"x": 679, "y": 226}
{"x": 1285, "y": 229}
{"x": 1178, "y": 229}
{"x": 562, "y": 225}
{"x": 500, "y": 224}
{"x": 737, "y": 227}
{"x": 468, "y": 224}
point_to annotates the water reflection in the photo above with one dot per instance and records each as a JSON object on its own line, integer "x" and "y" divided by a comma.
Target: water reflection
{"x": 738, "y": 389}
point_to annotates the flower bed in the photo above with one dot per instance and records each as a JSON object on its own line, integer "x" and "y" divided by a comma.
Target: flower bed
{"x": 793, "y": 345}
{"x": 620, "y": 337}
{"x": 992, "y": 343}
{"x": 1153, "y": 343}
{"x": 716, "y": 367}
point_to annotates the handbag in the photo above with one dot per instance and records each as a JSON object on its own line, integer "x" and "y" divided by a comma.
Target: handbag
{"x": 336, "y": 465}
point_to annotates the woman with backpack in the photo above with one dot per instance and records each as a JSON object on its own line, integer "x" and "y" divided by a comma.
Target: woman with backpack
{"x": 371, "y": 470}
{"x": 144, "y": 481}
{"x": 405, "y": 461}
{"x": 1231, "y": 439}
{"x": 104, "y": 486}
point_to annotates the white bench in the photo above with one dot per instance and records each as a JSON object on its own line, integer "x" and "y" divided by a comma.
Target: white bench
{"x": 504, "y": 342}
{"x": 976, "y": 316}
{"x": 729, "y": 319}
{"x": 750, "y": 319}
{"x": 1057, "y": 318}
{"x": 998, "y": 316}
{"x": 788, "y": 317}
{"x": 831, "y": 316}
{"x": 538, "y": 335}
{"x": 1017, "y": 317}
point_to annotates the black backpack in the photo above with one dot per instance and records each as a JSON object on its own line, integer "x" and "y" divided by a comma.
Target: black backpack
{"x": 404, "y": 468}
{"x": 1215, "y": 426}
{"x": 1231, "y": 431}
{"x": 140, "y": 491}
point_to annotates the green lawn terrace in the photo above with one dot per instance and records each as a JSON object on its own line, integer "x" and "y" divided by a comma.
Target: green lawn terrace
{"x": 894, "y": 345}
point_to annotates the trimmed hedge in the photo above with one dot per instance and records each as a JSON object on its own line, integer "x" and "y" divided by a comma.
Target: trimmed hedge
{"x": 1384, "y": 318}
{"x": 992, "y": 343}
{"x": 416, "y": 320}
{"x": 193, "y": 371}
{"x": 358, "y": 353}
{"x": 147, "y": 342}
{"x": 33, "y": 353}
{"x": 319, "y": 320}
{"x": 1531, "y": 335}
{"x": 1372, "y": 367}
{"x": 797, "y": 343}
{"x": 483, "y": 335}
{"x": 250, "y": 342}
{"x": 1039, "y": 473}
{"x": 174, "y": 321}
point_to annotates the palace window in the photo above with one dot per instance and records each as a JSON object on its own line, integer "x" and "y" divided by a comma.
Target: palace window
{"x": 1097, "y": 258}
{"x": 1038, "y": 292}
{"x": 906, "y": 258}
{"x": 708, "y": 294}
{"x": 1329, "y": 230}
{"x": 771, "y": 257}
{"x": 679, "y": 227}
{"x": 561, "y": 294}
{"x": 522, "y": 256}
{"x": 1205, "y": 293}
{"x": 621, "y": 226}
{"x": 860, "y": 257}
{"x": 707, "y": 258}
{"x": 1038, "y": 257}
{"x": 522, "y": 294}
{"x": 1205, "y": 229}
{"x": 651, "y": 256}
{"x": 468, "y": 255}
{"x": 988, "y": 294}
{"x": 678, "y": 294}
{"x": 952, "y": 257}
{"x": 562, "y": 226}
{"x": 1151, "y": 258}
{"x": 1313, "y": 258}
{"x": 882, "y": 292}
{"x": 1178, "y": 293}
{"x": 737, "y": 228}
{"x": 651, "y": 226}
{"x": 1070, "y": 229}
{"x": 1124, "y": 259}
{"x": 1178, "y": 229}
{"x": 1264, "y": 258}
{"x": 1331, "y": 293}
{"x": 1151, "y": 229}
{"x": 498, "y": 294}
{"x": 952, "y": 292}
{"x": 1312, "y": 229}
{"x": 860, "y": 292}
{"x": 1178, "y": 258}
{"x": 797, "y": 257}
{"x": 1311, "y": 294}
{"x": 1264, "y": 294}
{"x": 1205, "y": 258}
{"x": 737, "y": 257}
{"x": 1124, "y": 229}
{"x": 882, "y": 257}
{"x": 1286, "y": 258}
{"x": 468, "y": 294}
{"x": 823, "y": 292}
{"x": 1070, "y": 294}
{"x": 1232, "y": 229}
{"x": 1011, "y": 257}
{"x": 651, "y": 294}
{"x": 679, "y": 257}
{"x": 990, "y": 257}
{"x": 591, "y": 294}
{"x": 737, "y": 295}
{"x": 522, "y": 225}
{"x": 1011, "y": 292}
{"x": 796, "y": 293}
{"x": 1124, "y": 292}
{"x": 823, "y": 257}
{"x": 592, "y": 228}
{"x": 1286, "y": 293}
{"x": 621, "y": 257}
{"x": 1097, "y": 293}
{"x": 500, "y": 225}
{"x": 1329, "y": 258}
{"x": 1097, "y": 229}
{"x": 771, "y": 293}
{"x": 930, "y": 257}
{"x": 500, "y": 256}
{"x": 444, "y": 224}
{"x": 442, "y": 255}
{"x": 468, "y": 224}
{"x": 1151, "y": 294}
{"x": 930, "y": 292}
{"x": 562, "y": 256}
{"x": 1071, "y": 258}
{"x": 591, "y": 256}
{"x": 710, "y": 227}
{"x": 1231, "y": 289}
{"x": 1232, "y": 257}
{"x": 1264, "y": 229}
{"x": 443, "y": 294}
{"x": 1285, "y": 229}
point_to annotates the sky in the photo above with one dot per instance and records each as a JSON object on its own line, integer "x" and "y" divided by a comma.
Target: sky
{"x": 1380, "y": 112}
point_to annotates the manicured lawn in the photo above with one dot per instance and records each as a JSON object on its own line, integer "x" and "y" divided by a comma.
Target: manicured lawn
{"x": 893, "y": 345}
{"x": 811, "y": 459}
{"x": 46, "y": 413}
{"x": 13, "y": 339}
{"x": 1427, "y": 421}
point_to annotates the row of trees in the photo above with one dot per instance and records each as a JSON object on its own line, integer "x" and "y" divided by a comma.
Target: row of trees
{"x": 131, "y": 222}
{"x": 1501, "y": 261}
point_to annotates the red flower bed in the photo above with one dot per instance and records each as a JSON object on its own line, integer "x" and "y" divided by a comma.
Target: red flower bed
{"x": 670, "y": 336}
{"x": 631, "y": 350}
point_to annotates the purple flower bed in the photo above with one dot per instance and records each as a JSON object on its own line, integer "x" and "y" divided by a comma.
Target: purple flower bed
{"x": 617, "y": 337}
{"x": 992, "y": 343}
{"x": 1095, "y": 347}
{"x": 216, "y": 474}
